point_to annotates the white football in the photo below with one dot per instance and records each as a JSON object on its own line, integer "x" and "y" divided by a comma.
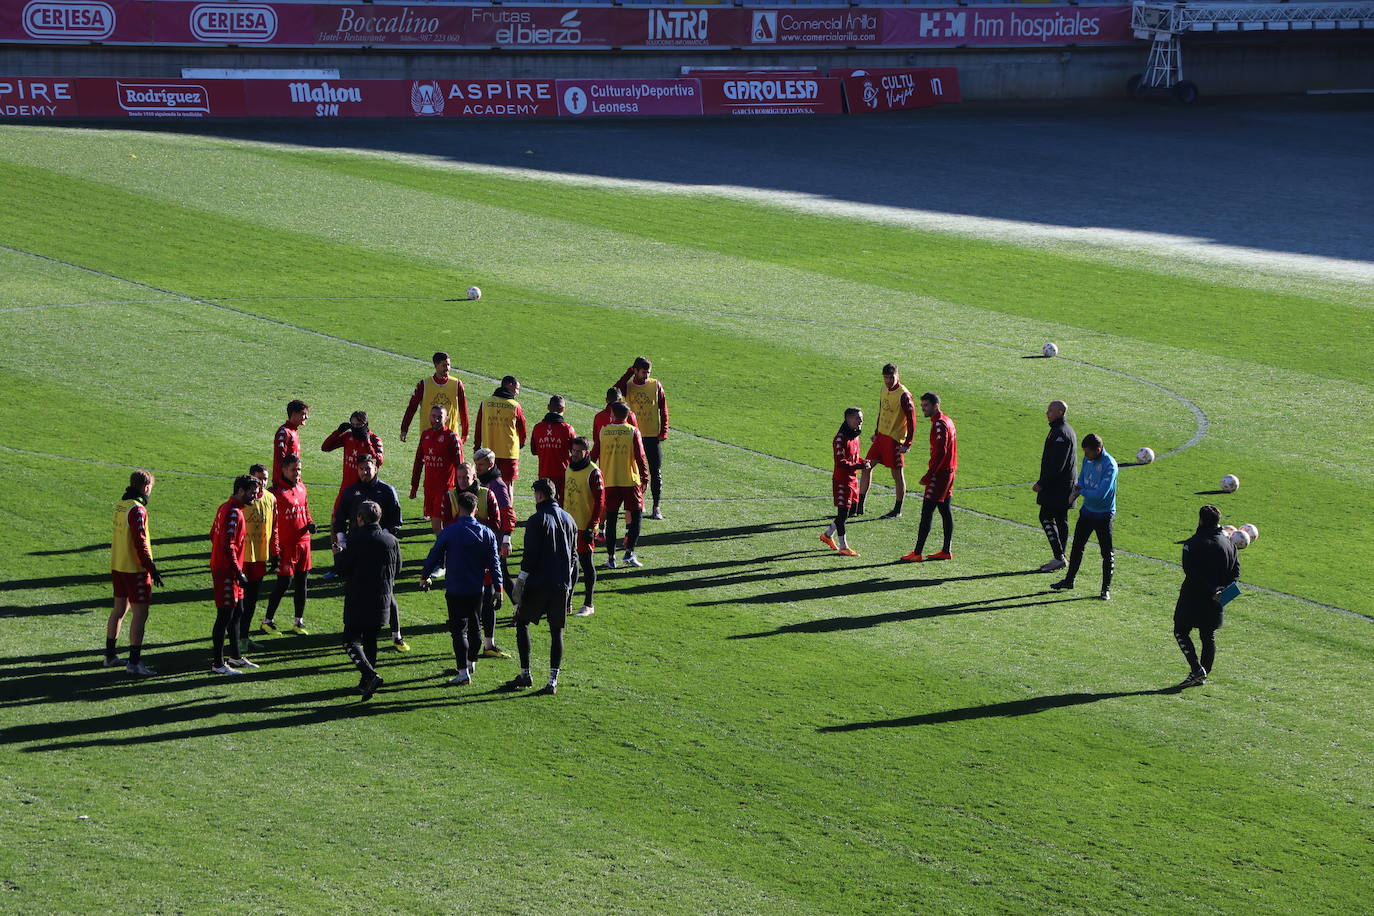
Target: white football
{"x": 1252, "y": 531}
{"x": 1050, "y": 349}
{"x": 474, "y": 292}
{"x": 1230, "y": 483}
{"x": 1228, "y": 530}
{"x": 1145, "y": 455}
{"x": 1240, "y": 539}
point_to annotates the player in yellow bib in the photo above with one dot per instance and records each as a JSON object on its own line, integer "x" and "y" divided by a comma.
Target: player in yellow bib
{"x": 584, "y": 496}
{"x": 501, "y": 428}
{"x": 261, "y": 548}
{"x": 649, "y": 404}
{"x": 133, "y": 573}
{"x": 896, "y": 425}
{"x": 443, "y": 390}
{"x": 619, "y": 451}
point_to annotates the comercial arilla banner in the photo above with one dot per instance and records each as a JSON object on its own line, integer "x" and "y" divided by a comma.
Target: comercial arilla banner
{"x": 532, "y": 27}
{"x": 867, "y": 91}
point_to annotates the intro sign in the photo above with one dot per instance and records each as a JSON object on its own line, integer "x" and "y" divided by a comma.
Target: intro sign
{"x": 547, "y": 27}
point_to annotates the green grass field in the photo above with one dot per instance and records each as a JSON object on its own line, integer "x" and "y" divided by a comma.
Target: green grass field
{"x": 748, "y": 724}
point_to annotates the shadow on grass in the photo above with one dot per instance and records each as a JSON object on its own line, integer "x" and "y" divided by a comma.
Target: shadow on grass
{"x": 996, "y": 710}
{"x": 841, "y": 589}
{"x": 653, "y": 538}
{"x": 838, "y": 624}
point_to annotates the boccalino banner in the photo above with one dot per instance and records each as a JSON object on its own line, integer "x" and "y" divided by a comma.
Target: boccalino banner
{"x": 531, "y": 27}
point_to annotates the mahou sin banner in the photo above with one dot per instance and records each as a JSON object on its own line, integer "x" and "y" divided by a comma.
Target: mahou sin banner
{"x": 523, "y": 27}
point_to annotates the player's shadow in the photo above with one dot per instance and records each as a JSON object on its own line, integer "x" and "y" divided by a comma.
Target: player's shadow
{"x": 105, "y": 545}
{"x": 743, "y": 577}
{"x": 684, "y": 568}
{"x": 865, "y": 586}
{"x": 1210, "y": 493}
{"x": 996, "y": 710}
{"x": 853, "y": 622}
{"x": 708, "y": 535}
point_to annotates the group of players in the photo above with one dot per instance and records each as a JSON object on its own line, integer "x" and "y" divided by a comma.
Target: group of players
{"x": 266, "y": 525}
{"x": 593, "y": 479}
{"x": 1209, "y": 559}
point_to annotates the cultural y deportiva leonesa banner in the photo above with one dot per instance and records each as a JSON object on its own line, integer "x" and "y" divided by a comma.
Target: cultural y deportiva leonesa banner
{"x": 526, "y": 27}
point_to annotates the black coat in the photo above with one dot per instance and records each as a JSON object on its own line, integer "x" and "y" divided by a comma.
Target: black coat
{"x": 355, "y": 494}
{"x": 550, "y": 557}
{"x": 1058, "y": 464}
{"x": 369, "y": 565}
{"x": 1209, "y": 564}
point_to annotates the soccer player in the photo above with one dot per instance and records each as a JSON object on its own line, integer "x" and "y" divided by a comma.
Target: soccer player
{"x": 548, "y": 575}
{"x": 369, "y": 566}
{"x": 438, "y": 453}
{"x": 620, "y": 454}
{"x": 368, "y": 488}
{"x": 501, "y": 428}
{"x": 500, "y": 520}
{"x": 938, "y": 479}
{"x": 1097, "y": 486}
{"x": 467, "y": 550}
{"x": 843, "y": 479}
{"x": 132, "y": 572}
{"x": 288, "y": 440}
{"x": 261, "y": 549}
{"x": 649, "y": 404}
{"x": 585, "y": 496}
{"x": 889, "y": 445}
{"x": 354, "y": 438}
{"x": 226, "y": 570}
{"x": 1058, "y": 461}
{"x": 604, "y": 415}
{"x": 440, "y": 390}
{"x": 550, "y": 443}
{"x": 1210, "y": 564}
{"x": 294, "y": 528}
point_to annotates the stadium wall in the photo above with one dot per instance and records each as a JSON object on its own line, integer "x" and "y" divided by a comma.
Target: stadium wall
{"x": 1230, "y": 66}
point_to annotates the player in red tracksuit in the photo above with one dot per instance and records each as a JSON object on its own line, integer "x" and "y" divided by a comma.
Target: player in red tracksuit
{"x": 226, "y": 571}
{"x": 938, "y": 479}
{"x": 294, "y": 528}
{"x": 844, "y": 479}
{"x": 439, "y": 453}
{"x": 287, "y": 441}
{"x": 551, "y": 443}
{"x": 354, "y": 438}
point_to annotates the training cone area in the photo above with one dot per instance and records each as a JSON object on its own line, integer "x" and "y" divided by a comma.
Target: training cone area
{"x": 758, "y": 710}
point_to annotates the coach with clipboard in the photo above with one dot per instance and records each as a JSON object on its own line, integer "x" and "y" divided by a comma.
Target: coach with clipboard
{"x": 1210, "y": 573}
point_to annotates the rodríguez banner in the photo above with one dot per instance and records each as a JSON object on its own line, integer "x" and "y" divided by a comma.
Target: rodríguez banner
{"x": 628, "y": 98}
{"x": 217, "y": 23}
{"x": 766, "y": 95}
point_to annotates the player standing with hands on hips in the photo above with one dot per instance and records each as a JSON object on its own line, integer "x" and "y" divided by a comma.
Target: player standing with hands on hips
{"x": 649, "y": 404}
{"x": 896, "y": 426}
{"x": 938, "y": 480}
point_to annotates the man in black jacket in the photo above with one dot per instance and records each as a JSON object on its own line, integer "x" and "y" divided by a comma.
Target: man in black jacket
{"x": 1209, "y": 565}
{"x": 351, "y": 497}
{"x": 548, "y": 575}
{"x": 1054, "y": 488}
{"x": 368, "y": 565}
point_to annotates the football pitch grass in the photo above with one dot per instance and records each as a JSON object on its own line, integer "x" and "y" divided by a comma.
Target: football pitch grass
{"x": 748, "y": 723}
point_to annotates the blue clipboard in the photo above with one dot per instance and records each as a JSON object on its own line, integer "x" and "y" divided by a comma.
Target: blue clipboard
{"x": 1229, "y": 594}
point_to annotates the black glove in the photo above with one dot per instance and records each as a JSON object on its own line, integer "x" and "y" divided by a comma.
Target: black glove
{"x": 499, "y": 600}
{"x": 344, "y": 427}
{"x": 242, "y": 579}
{"x": 272, "y": 564}
{"x": 310, "y": 527}
{"x": 157, "y": 579}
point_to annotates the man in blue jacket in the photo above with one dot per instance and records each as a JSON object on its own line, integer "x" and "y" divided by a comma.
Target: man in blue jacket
{"x": 548, "y": 575}
{"x": 1097, "y": 485}
{"x": 467, "y": 549}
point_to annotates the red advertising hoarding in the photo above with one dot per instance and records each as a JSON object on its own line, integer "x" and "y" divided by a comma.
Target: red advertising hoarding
{"x": 449, "y": 26}
{"x": 759, "y": 95}
{"x": 628, "y": 98}
{"x": 41, "y": 97}
{"x": 897, "y": 88}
